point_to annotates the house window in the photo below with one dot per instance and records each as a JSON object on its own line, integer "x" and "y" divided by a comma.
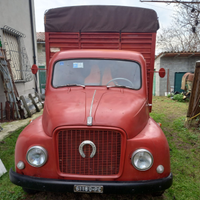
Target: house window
{"x": 16, "y": 54}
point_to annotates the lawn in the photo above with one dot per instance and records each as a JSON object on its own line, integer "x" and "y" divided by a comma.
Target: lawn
{"x": 184, "y": 148}
{"x": 184, "y": 151}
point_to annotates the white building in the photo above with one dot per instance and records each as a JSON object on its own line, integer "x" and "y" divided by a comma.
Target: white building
{"x": 177, "y": 63}
{"x": 18, "y": 38}
{"x": 41, "y": 55}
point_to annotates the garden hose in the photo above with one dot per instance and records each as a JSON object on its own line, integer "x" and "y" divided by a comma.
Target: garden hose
{"x": 194, "y": 116}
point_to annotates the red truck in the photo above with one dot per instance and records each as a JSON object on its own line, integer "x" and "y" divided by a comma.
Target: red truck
{"x": 95, "y": 134}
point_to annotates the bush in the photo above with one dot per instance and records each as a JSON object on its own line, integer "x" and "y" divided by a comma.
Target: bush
{"x": 169, "y": 95}
{"x": 178, "y": 97}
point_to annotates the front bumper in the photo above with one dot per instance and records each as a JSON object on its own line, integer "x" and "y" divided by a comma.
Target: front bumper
{"x": 56, "y": 185}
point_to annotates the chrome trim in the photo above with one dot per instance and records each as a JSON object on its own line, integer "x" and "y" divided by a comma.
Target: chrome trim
{"x": 141, "y": 150}
{"x": 91, "y": 144}
{"x": 41, "y": 148}
{"x": 89, "y": 119}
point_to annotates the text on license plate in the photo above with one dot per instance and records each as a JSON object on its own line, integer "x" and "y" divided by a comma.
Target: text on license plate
{"x": 88, "y": 189}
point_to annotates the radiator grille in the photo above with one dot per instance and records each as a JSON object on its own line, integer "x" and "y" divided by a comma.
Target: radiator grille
{"x": 106, "y": 160}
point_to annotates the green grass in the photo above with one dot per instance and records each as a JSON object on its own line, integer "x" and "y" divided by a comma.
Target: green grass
{"x": 9, "y": 191}
{"x": 184, "y": 147}
{"x": 184, "y": 150}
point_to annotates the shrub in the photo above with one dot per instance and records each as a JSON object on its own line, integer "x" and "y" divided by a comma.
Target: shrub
{"x": 178, "y": 97}
{"x": 169, "y": 95}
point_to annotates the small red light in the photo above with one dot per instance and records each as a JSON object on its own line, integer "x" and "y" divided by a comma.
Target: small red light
{"x": 159, "y": 124}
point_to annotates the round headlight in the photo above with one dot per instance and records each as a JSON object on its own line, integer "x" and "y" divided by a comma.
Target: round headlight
{"x": 142, "y": 159}
{"x": 36, "y": 156}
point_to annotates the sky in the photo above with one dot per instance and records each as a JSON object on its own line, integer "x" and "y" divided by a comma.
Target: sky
{"x": 164, "y": 11}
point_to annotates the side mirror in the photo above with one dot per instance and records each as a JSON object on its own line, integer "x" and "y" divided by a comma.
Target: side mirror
{"x": 161, "y": 72}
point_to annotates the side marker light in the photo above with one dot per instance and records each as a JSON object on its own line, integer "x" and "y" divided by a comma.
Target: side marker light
{"x": 159, "y": 124}
{"x": 160, "y": 169}
{"x": 20, "y": 165}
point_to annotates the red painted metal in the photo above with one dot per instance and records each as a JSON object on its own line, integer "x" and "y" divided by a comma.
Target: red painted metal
{"x": 108, "y": 146}
{"x": 97, "y": 159}
{"x": 129, "y": 113}
{"x": 151, "y": 138}
{"x": 34, "y": 69}
{"x": 143, "y": 43}
{"x": 162, "y": 72}
{"x": 121, "y": 121}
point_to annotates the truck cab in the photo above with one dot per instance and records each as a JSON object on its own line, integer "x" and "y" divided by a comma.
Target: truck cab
{"x": 95, "y": 134}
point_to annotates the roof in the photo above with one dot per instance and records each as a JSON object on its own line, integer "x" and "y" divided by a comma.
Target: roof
{"x": 101, "y": 19}
{"x": 40, "y": 37}
{"x": 100, "y": 53}
{"x": 182, "y": 54}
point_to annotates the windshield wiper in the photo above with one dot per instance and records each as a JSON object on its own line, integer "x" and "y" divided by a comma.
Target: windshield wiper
{"x": 121, "y": 86}
{"x": 71, "y": 85}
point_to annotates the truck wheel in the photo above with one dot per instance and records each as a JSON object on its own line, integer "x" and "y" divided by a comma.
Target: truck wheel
{"x": 29, "y": 191}
{"x": 157, "y": 194}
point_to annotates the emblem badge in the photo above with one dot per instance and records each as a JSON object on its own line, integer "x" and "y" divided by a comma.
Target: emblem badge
{"x": 91, "y": 144}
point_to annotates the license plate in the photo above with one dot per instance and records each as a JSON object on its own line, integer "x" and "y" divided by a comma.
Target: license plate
{"x": 88, "y": 189}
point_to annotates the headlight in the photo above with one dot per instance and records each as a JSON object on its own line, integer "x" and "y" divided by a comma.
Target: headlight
{"x": 36, "y": 156}
{"x": 142, "y": 159}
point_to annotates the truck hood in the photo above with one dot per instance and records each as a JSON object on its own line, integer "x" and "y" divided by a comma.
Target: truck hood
{"x": 113, "y": 107}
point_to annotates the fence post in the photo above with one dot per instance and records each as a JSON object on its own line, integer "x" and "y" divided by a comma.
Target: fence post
{"x": 1, "y": 112}
{"x": 8, "y": 110}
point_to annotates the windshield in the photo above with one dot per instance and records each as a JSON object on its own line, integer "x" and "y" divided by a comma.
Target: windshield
{"x": 97, "y": 72}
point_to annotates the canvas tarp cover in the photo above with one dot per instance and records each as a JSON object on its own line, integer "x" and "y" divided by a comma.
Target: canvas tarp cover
{"x": 101, "y": 19}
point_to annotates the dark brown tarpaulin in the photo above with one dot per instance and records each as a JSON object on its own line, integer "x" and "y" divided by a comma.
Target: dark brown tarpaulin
{"x": 101, "y": 19}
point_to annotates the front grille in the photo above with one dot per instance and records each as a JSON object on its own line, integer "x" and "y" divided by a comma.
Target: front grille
{"x": 106, "y": 160}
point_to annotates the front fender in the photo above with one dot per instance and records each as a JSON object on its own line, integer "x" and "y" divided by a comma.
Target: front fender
{"x": 34, "y": 135}
{"x": 153, "y": 139}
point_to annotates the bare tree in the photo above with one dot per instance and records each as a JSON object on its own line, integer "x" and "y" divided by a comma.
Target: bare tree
{"x": 184, "y": 32}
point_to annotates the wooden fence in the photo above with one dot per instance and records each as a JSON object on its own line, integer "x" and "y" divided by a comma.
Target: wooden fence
{"x": 194, "y": 104}
{"x": 7, "y": 112}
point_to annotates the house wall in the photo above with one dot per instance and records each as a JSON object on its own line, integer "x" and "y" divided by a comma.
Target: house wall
{"x": 179, "y": 64}
{"x": 16, "y": 14}
{"x": 41, "y": 54}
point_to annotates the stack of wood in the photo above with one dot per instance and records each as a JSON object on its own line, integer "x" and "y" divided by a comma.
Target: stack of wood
{"x": 16, "y": 107}
{"x": 10, "y": 89}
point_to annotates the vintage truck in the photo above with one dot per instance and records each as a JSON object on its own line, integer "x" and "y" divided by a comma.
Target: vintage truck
{"x": 95, "y": 134}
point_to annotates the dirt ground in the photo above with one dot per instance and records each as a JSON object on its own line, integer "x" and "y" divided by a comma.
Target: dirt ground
{"x": 73, "y": 196}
